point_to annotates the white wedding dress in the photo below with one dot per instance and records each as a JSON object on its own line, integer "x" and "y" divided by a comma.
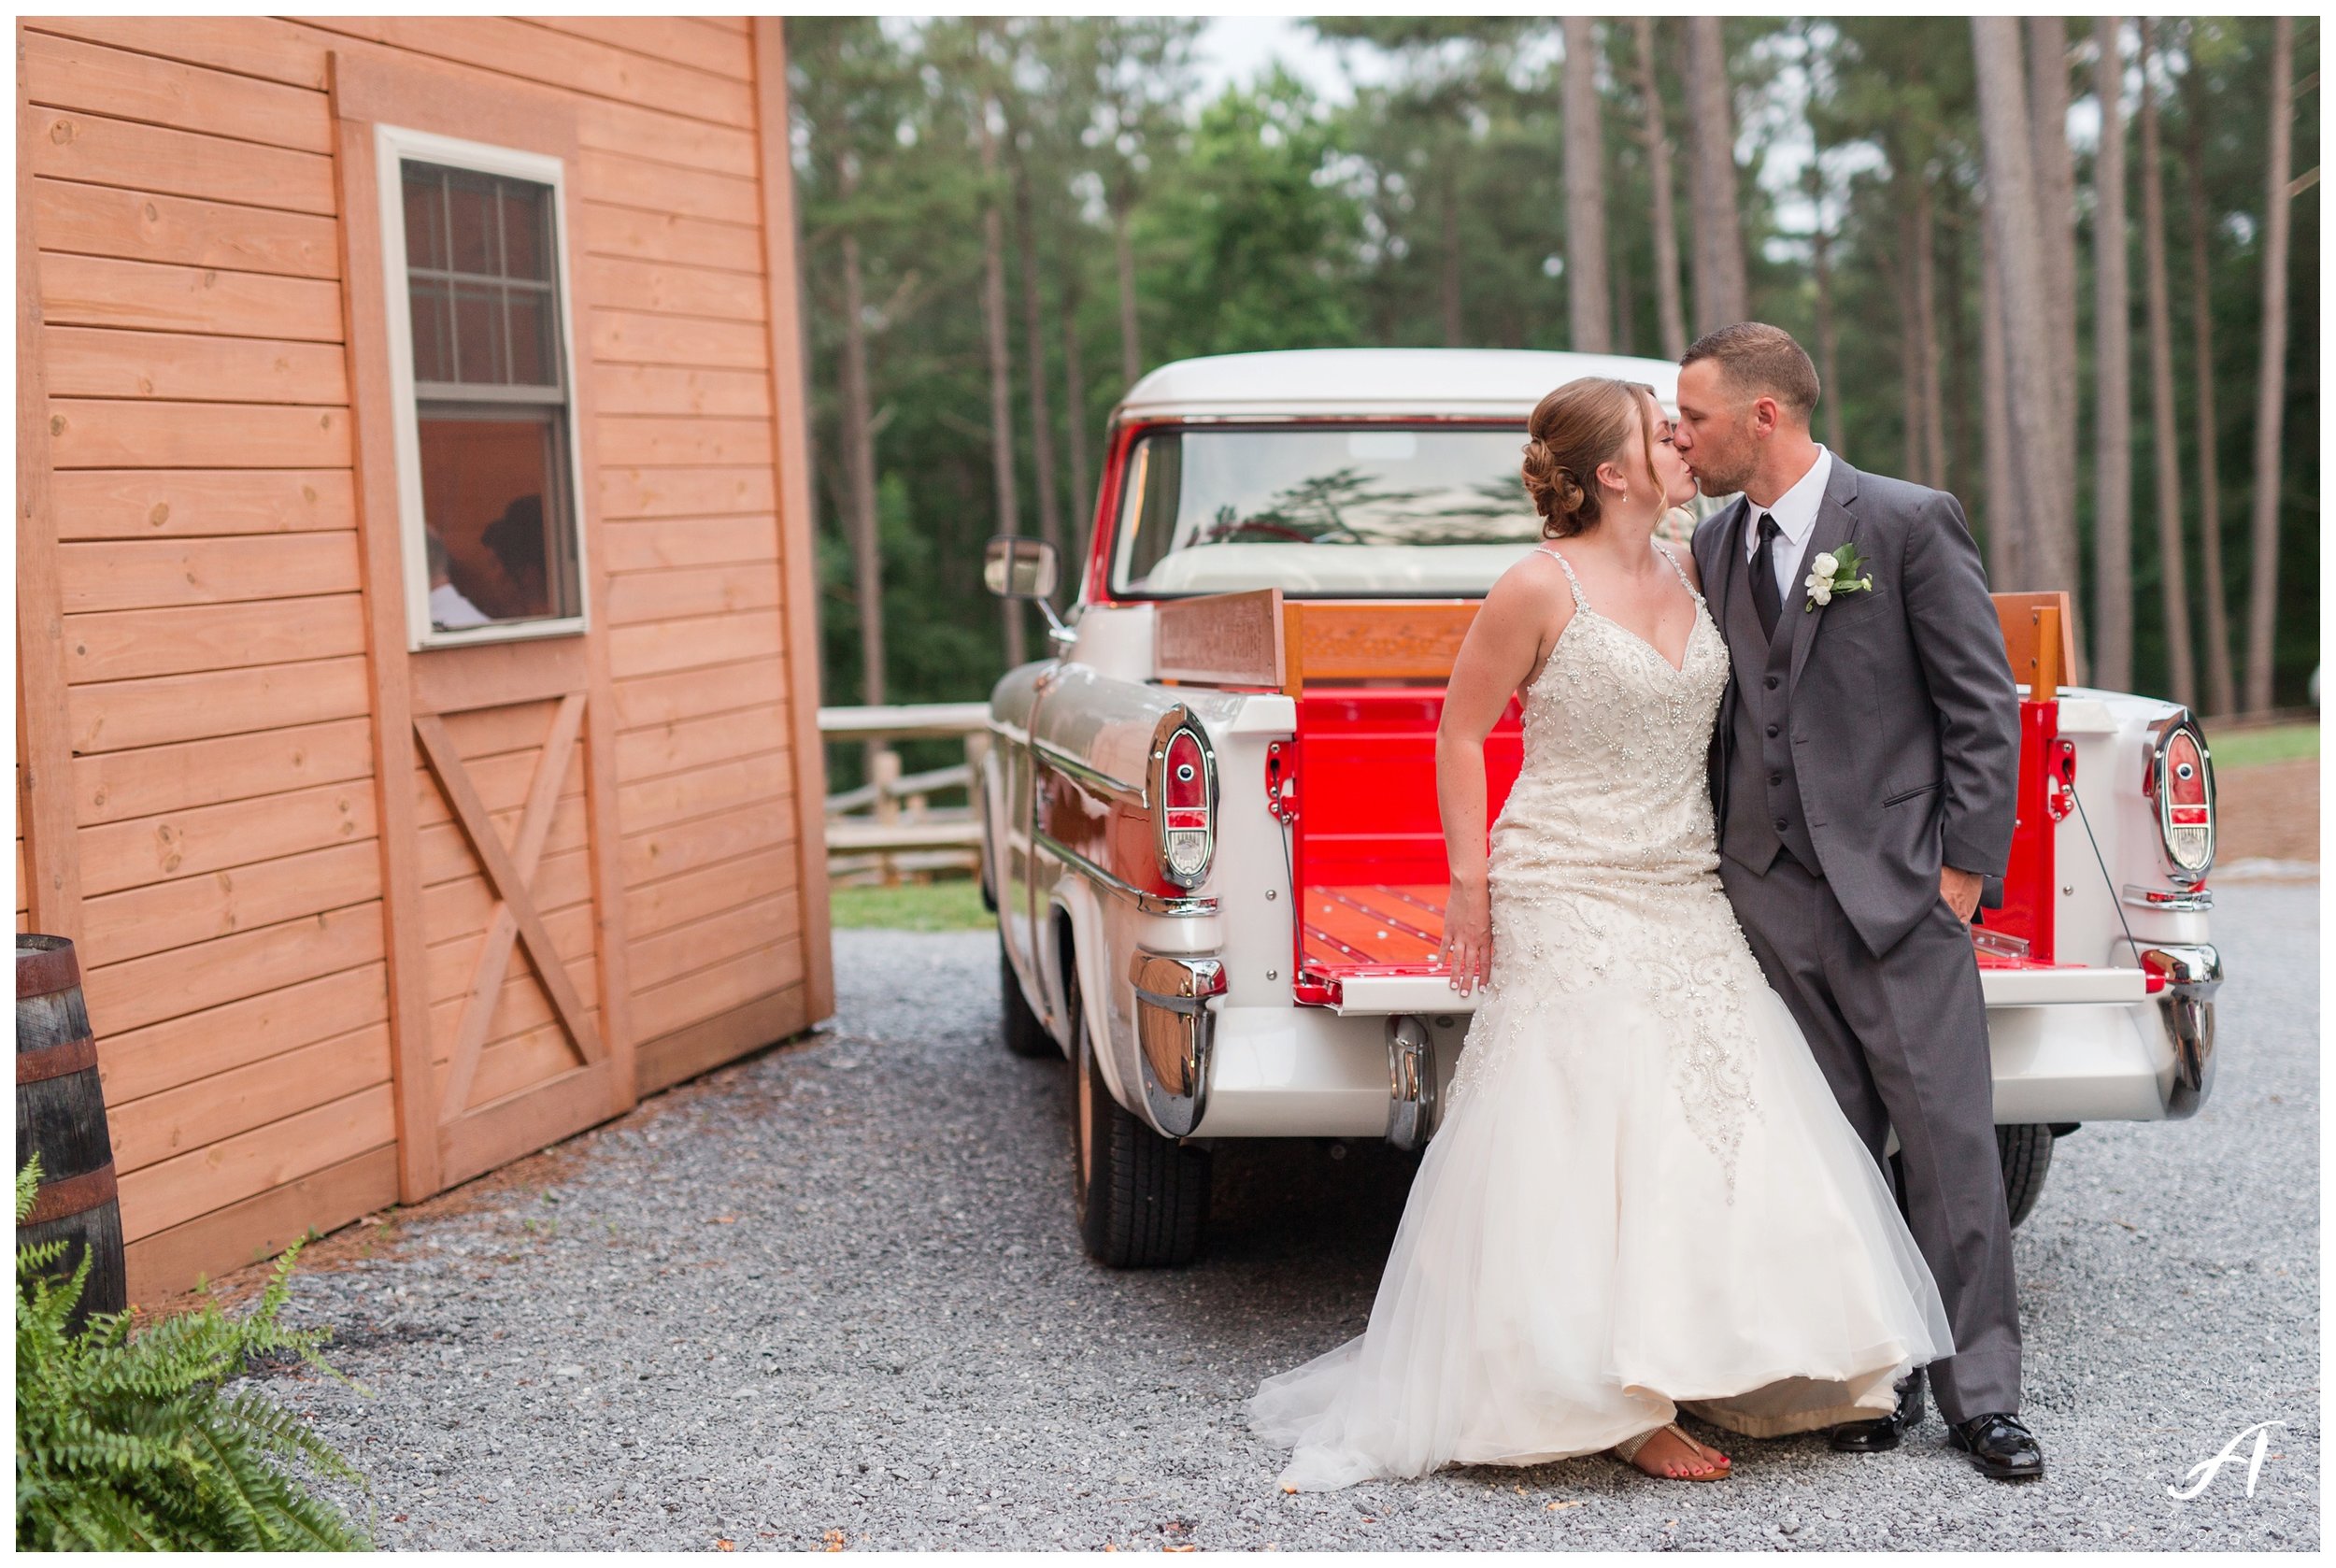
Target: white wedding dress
{"x": 1641, "y": 1195}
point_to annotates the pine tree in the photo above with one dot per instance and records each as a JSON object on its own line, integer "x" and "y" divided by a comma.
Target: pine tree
{"x": 2112, "y": 395}
{"x": 1584, "y": 194}
{"x": 1668, "y": 314}
{"x": 2270, "y": 390}
{"x": 1721, "y": 294}
{"x": 2173, "y": 558}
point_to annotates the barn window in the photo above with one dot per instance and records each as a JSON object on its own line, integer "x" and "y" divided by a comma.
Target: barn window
{"x": 482, "y": 362}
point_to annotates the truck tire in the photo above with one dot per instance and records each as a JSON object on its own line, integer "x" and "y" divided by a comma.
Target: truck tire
{"x": 1024, "y": 1035}
{"x": 1141, "y": 1200}
{"x": 2026, "y": 1153}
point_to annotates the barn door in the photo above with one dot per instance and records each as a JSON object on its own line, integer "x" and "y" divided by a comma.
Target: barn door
{"x": 502, "y": 907}
{"x": 514, "y": 937}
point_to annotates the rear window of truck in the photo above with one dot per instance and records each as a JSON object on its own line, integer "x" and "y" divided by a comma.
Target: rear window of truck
{"x": 1332, "y": 511}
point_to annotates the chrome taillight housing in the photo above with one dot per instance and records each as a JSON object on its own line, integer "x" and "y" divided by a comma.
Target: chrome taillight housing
{"x": 2181, "y": 786}
{"x": 1184, "y": 792}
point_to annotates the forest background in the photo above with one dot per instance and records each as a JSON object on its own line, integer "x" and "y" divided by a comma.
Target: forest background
{"x": 2065, "y": 268}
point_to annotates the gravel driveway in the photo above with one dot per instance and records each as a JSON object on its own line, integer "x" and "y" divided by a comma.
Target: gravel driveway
{"x": 832, "y": 1296}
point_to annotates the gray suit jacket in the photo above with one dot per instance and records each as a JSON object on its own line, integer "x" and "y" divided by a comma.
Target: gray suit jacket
{"x": 1904, "y": 719}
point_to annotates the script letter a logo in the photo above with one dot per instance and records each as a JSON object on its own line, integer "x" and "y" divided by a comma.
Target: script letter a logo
{"x": 2202, "y": 1473}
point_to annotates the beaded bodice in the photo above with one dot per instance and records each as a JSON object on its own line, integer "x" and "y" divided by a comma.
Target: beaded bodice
{"x": 1612, "y": 783}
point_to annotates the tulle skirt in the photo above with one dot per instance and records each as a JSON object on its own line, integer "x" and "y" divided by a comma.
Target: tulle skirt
{"x": 1575, "y": 1262}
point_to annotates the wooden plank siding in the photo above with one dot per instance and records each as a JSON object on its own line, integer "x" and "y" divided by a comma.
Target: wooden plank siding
{"x": 49, "y": 875}
{"x": 194, "y": 331}
{"x": 184, "y": 335}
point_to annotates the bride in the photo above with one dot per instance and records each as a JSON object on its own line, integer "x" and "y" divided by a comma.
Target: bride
{"x": 1642, "y": 1197}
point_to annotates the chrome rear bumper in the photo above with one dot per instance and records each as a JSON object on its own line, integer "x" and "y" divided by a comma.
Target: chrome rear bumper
{"x": 1211, "y": 1070}
{"x": 1413, "y": 1098}
{"x": 1175, "y": 1035}
{"x": 2193, "y": 973}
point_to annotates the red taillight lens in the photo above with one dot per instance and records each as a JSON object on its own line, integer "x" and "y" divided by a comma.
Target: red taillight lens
{"x": 1185, "y": 789}
{"x": 2184, "y": 787}
{"x": 2186, "y": 782}
{"x": 1187, "y": 836}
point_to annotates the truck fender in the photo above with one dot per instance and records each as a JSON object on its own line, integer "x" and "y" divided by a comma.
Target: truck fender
{"x": 1074, "y": 922}
{"x": 987, "y": 786}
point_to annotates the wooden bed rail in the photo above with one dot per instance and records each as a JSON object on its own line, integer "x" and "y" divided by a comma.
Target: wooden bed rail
{"x": 1259, "y": 639}
{"x": 2039, "y": 638}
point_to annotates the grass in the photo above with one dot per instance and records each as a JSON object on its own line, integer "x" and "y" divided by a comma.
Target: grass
{"x": 2280, "y": 743}
{"x": 954, "y": 904}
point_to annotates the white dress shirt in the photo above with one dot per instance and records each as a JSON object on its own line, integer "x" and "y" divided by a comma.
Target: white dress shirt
{"x": 1795, "y": 512}
{"x": 449, "y": 611}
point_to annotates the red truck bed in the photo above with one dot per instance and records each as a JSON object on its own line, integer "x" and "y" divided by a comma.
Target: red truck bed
{"x": 1356, "y": 786}
{"x": 1363, "y": 925}
{"x": 1367, "y": 843}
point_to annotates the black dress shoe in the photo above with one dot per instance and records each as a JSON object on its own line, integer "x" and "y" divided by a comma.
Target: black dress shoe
{"x": 1883, "y": 1433}
{"x": 2002, "y": 1448}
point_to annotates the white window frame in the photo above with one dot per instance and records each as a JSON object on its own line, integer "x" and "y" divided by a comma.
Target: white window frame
{"x": 393, "y": 146}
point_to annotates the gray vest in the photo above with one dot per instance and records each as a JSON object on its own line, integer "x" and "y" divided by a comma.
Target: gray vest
{"x": 1764, "y": 812}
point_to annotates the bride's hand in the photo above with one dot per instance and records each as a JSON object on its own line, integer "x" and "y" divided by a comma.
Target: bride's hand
{"x": 1467, "y": 945}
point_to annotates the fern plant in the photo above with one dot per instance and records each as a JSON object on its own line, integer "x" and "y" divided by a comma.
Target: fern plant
{"x": 125, "y": 1444}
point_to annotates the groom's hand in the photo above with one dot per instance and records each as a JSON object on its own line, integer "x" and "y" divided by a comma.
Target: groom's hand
{"x": 1960, "y": 888}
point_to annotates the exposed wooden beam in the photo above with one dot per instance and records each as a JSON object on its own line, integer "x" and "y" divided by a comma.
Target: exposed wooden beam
{"x": 364, "y": 294}
{"x": 789, "y": 402}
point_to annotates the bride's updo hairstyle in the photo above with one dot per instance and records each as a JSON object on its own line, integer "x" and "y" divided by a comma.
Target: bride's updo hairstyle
{"x": 1575, "y": 429}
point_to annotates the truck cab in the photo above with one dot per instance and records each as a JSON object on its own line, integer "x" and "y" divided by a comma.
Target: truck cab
{"x": 1209, "y": 819}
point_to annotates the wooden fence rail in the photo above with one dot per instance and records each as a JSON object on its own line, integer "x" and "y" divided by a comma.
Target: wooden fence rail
{"x": 958, "y": 776}
{"x": 904, "y": 720}
{"x": 889, "y": 825}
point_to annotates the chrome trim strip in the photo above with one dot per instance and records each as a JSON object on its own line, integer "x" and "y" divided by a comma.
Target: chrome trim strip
{"x": 2171, "y": 901}
{"x": 1085, "y": 773}
{"x": 2002, "y": 944}
{"x": 1151, "y": 903}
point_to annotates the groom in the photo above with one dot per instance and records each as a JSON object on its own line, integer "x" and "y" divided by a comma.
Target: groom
{"x": 1862, "y": 775}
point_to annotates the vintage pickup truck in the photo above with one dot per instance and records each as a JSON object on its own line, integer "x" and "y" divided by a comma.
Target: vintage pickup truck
{"x": 1209, "y": 819}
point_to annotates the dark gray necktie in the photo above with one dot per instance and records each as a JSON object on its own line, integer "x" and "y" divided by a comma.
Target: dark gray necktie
{"x": 1766, "y": 601}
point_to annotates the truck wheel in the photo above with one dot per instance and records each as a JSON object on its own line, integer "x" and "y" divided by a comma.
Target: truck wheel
{"x": 1141, "y": 1199}
{"x": 1024, "y": 1035}
{"x": 2027, "y": 1152}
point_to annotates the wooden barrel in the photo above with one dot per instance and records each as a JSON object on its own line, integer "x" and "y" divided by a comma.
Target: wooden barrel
{"x": 60, "y": 1117}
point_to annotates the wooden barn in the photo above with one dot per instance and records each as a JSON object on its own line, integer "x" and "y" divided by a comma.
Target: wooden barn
{"x": 417, "y": 691}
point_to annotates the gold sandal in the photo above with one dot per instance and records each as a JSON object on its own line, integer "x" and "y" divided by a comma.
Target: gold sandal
{"x": 1627, "y": 1451}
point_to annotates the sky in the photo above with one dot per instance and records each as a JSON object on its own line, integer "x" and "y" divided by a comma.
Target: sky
{"x": 1239, "y": 49}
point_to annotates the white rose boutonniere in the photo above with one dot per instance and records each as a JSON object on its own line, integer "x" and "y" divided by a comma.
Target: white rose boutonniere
{"x": 1835, "y": 571}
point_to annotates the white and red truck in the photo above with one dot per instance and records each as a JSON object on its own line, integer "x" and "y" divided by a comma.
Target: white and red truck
{"x": 1209, "y": 819}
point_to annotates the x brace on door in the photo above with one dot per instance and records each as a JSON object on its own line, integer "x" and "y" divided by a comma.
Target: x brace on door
{"x": 508, "y": 873}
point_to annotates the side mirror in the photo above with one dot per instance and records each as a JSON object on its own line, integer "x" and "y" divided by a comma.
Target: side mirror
{"x": 1019, "y": 568}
